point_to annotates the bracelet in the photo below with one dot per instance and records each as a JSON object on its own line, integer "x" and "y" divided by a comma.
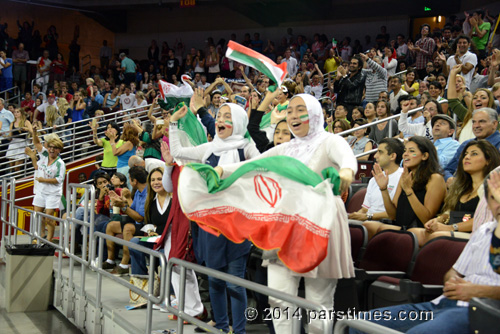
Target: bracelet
{"x": 383, "y": 189}
{"x": 409, "y": 195}
{"x": 173, "y": 123}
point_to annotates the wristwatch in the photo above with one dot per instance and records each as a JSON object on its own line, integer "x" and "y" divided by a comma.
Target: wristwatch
{"x": 455, "y": 227}
{"x": 123, "y": 209}
{"x": 369, "y": 216}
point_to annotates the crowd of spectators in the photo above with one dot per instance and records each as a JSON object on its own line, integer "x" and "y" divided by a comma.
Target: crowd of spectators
{"x": 428, "y": 184}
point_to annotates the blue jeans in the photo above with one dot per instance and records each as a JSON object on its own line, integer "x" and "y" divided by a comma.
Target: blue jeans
{"x": 138, "y": 258}
{"x": 238, "y": 295}
{"x": 447, "y": 318}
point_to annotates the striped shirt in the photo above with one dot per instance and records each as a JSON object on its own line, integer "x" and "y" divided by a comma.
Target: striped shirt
{"x": 474, "y": 262}
{"x": 376, "y": 80}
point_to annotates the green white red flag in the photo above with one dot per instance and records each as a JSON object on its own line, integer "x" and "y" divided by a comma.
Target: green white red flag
{"x": 261, "y": 63}
{"x": 277, "y": 203}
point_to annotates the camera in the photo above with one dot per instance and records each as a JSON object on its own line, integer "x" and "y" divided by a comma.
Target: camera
{"x": 110, "y": 187}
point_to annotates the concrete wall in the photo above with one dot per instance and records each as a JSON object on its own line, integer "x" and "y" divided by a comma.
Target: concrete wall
{"x": 91, "y": 33}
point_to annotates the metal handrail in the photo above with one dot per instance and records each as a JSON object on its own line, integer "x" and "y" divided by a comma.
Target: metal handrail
{"x": 181, "y": 315}
{"x": 78, "y": 131}
{"x": 18, "y": 96}
{"x": 82, "y": 64}
{"x": 152, "y": 255}
{"x": 44, "y": 75}
{"x": 410, "y": 112}
{"x": 362, "y": 325}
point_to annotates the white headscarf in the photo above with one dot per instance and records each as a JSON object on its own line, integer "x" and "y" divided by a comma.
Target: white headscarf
{"x": 302, "y": 148}
{"x": 227, "y": 149}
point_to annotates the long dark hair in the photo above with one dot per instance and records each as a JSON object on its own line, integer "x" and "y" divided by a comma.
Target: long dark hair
{"x": 426, "y": 168}
{"x": 462, "y": 184}
{"x": 115, "y": 126}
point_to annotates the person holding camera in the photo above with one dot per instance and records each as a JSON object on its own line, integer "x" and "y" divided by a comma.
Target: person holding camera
{"x": 132, "y": 223}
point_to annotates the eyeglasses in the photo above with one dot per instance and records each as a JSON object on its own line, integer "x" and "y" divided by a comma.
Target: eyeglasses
{"x": 53, "y": 148}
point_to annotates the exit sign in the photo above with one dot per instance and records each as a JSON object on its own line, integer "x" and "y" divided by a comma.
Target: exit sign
{"x": 188, "y": 3}
{"x": 426, "y": 9}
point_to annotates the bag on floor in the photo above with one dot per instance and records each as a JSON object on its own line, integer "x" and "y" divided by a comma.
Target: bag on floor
{"x": 143, "y": 284}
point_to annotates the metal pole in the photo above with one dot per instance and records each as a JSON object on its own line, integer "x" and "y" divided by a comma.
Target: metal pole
{"x": 181, "y": 300}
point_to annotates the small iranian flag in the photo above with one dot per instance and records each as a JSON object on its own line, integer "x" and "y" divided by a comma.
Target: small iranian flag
{"x": 277, "y": 203}
{"x": 172, "y": 96}
{"x": 257, "y": 60}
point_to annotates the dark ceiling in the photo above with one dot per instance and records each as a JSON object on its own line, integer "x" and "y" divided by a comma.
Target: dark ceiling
{"x": 111, "y": 14}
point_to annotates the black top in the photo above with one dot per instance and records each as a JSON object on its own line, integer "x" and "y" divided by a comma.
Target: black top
{"x": 405, "y": 216}
{"x": 158, "y": 219}
{"x": 469, "y": 206}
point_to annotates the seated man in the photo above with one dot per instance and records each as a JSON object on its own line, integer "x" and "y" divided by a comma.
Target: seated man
{"x": 129, "y": 227}
{"x": 388, "y": 156}
{"x": 471, "y": 276}
{"x": 443, "y": 127}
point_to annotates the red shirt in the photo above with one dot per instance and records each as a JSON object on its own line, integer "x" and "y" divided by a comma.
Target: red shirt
{"x": 29, "y": 104}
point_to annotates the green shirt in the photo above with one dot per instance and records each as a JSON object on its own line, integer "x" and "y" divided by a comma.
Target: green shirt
{"x": 481, "y": 42}
{"x": 109, "y": 160}
{"x": 129, "y": 65}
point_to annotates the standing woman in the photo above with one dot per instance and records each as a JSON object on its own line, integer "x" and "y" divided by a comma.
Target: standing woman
{"x": 109, "y": 160}
{"x": 390, "y": 61}
{"x": 77, "y": 107}
{"x": 18, "y": 132}
{"x": 381, "y": 131}
{"x": 213, "y": 64}
{"x": 130, "y": 140}
{"x": 199, "y": 62}
{"x": 51, "y": 172}
{"x": 229, "y": 146}
{"x": 318, "y": 150}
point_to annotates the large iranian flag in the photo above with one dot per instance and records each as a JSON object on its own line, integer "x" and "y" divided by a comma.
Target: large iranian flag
{"x": 276, "y": 203}
{"x": 261, "y": 63}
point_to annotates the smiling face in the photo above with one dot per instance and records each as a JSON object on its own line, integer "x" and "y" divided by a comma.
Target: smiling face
{"x": 156, "y": 182}
{"x": 282, "y": 134}
{"x": 356, "y": 114}
{"x": 337, "y": 127}
{"x": 480, "y": 100}
{"x": 224, "y": 123}
{"x": 115, "y": 181}
{"x": 412, "y": 156}
{"x": 434, "y": 91}
{"x": 463, "y": 46}
{"x": 297, "y": 117}
{"x": 442, "y": 80}
{"x": 482, "y": 125}
{"x": 474, "y": 160}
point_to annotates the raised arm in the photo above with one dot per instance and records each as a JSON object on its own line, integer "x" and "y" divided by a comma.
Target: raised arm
{"x": 167, "y": 175}
{"x": 93, "y": 126}
{"x": 178, "y": 152}
{"x": 34, "y": 134}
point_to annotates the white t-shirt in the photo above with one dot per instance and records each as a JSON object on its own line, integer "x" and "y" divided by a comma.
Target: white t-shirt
{"x": 468, "y": 57}
{"x": 316, "y": 90}
{"x": 43, "y": 107}
{"x": 57, "y": 170}
{"x": 373, "y": 198}
{"x": 127, "y": 101}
